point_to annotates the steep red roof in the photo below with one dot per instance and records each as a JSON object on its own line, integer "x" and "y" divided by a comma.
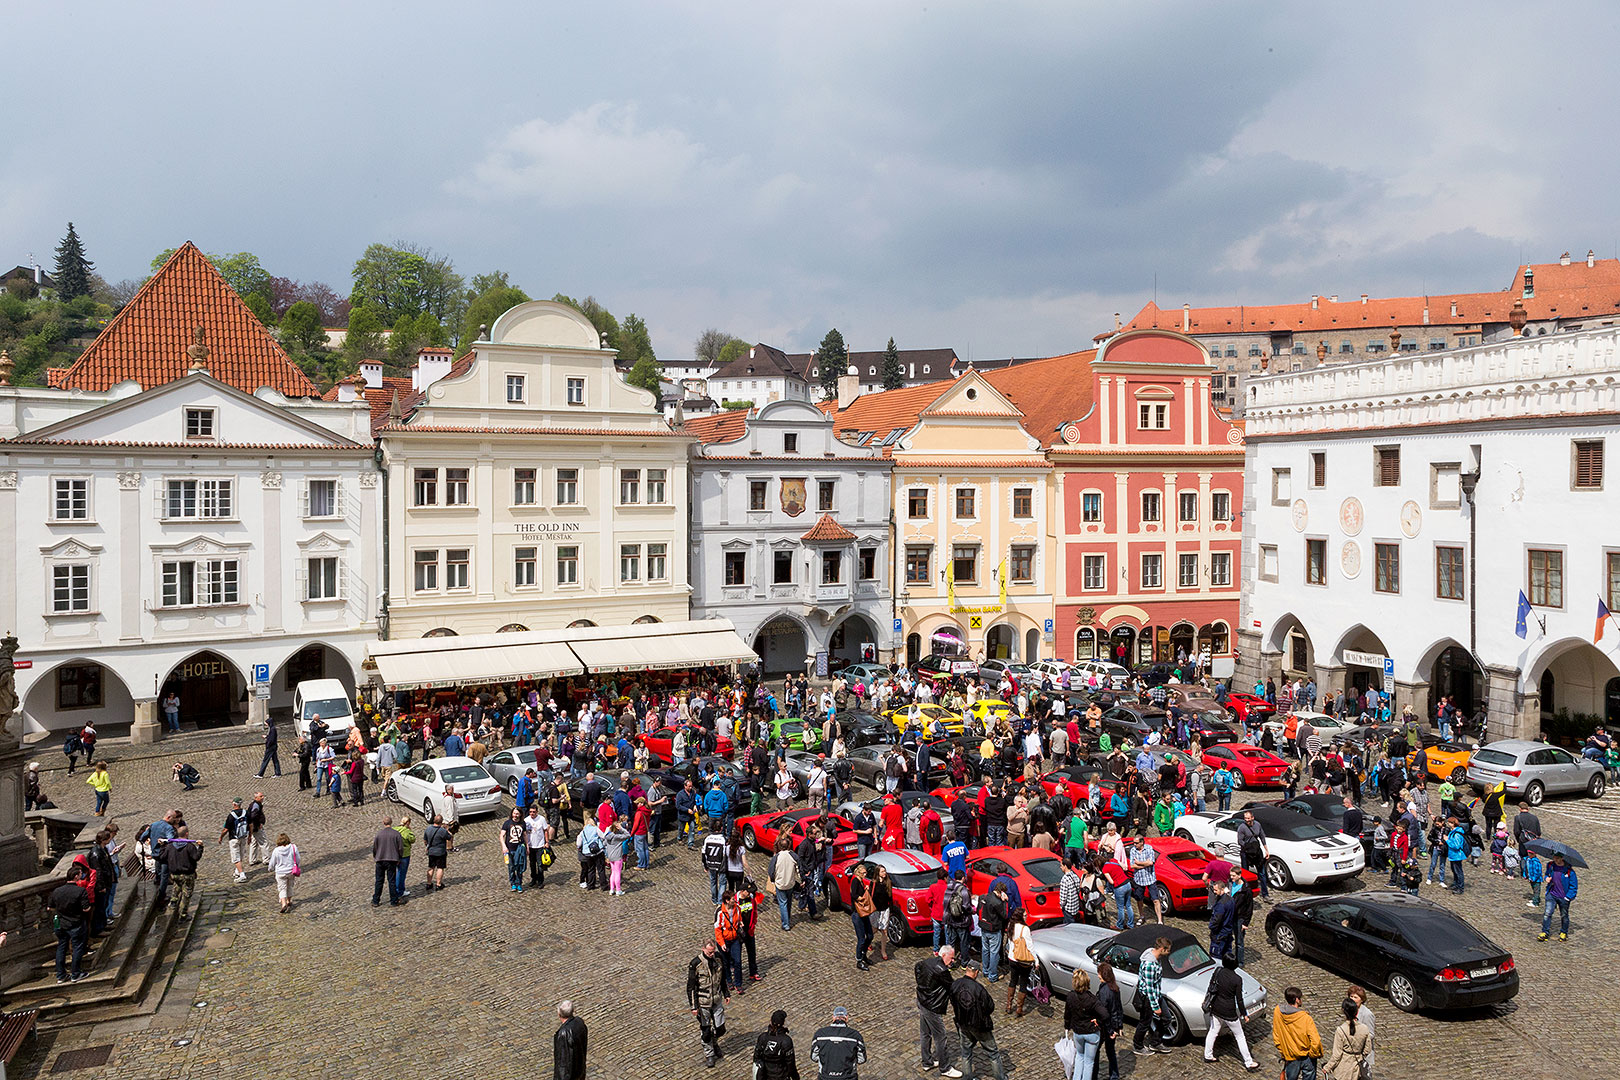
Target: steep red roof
{"x": 147, "y": 341}
{"x": 723, "y": 427}
{"x": 1049, "y": 392}
{"x": 882, "y": 412}
{"x": 826, "y": 530}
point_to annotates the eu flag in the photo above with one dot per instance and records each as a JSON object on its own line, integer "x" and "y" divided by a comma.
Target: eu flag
{"x": 1519, "y": 626}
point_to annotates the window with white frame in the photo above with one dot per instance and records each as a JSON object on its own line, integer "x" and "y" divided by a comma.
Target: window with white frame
{"x": 756, "y": 494}
{"x": 1093, "y": 570}
{"x": 457, "y": 567}
{"x": 736, "y": 567}
{"x": 515, "y": 389}
{"x": 1220, "y": 568}
{"x": 322, "y": 578}
{"x": 1152, "y": 506}
{"x": 576, "y": 391}
{"x": 1187, "y": 571}
{"x": 199, "y": 423}
{"x": 964, "y": 504}
{"x": 1187, "y": 506}
{"x": 1153, "y": 417}
{"x": 1220, "y": 506}
{"x": 425, "y": 487}
{"x": 320, "y": 499}
{"x": 70, "y": 588}
{"x": 656, "y": 483}
{"x": 567, "y": 487}
{"x": 832, "y": 567}
{"x": 965, "y": 563}
{"x": 457, "y": 488}
{"x": 427, "y": 570}
{"x": 523, "y": 564}
{"x": 917, "y": 560}
{"x": 1023, "y": 502}
{"x": 198, "y": 499}
{"x": 916, "y": 502}
{"x": 629, "y": 562}
{"x": 200, "y": 583}
{"x": 866, "y": 563}
{"x": 70, "y": 498}
{"x": 657, "y": 562}
{"x": 629, "y": 486}
{"x": 781, "y": 568}
{"x": 523, "y": 481}
{"x": 568, "y": 565}
{"x": 1091, "y": 503}
{"x": 1021, "y": 562}
{"x": 1153, "y": 571}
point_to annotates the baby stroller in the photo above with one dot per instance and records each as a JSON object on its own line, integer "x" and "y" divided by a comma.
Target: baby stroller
{"x": 187, "y": 774}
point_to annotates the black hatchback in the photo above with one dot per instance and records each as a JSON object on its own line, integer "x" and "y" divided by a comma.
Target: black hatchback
{"x": 1424, "y": 956}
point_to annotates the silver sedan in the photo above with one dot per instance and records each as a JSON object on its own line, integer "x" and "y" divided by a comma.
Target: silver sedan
{"x": 508, "y": 766}
{"x": 1184, "y": 979}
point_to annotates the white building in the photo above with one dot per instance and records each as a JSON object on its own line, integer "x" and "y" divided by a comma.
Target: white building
{"x": 790, "y": 536}
{"x": 760, "y": 376}
{"x": 1397, "y": 509}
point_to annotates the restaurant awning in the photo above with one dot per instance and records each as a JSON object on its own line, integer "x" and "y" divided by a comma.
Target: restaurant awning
{"x": 484, "y": 658}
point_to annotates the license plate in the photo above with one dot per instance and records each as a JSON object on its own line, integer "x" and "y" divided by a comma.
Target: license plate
{"x": 1482, "y": 973}
{"x": 1342, "y": 865}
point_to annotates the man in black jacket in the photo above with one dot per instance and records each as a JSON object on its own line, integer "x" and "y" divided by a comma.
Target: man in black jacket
{"x": 838, "y": 1049}
{"x": 568, "y": 1045}
{"x": 774, "y": 1058}
{"x": 975, "y": 1019}
{"x": 934, "y": 982}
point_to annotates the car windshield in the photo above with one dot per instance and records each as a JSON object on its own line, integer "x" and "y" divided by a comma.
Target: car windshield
{"x": 1488, "y": 756}
{"x": 1045, "y": 871}
{"x": 922, "y": 879}
{"x": 1253, "y": 752}
{"x": 1277, "y": 827}
{"x": 1185, "y": 959}
{"x": 1442, "y": 932}
{"x": 790, "y": 727}
{"x": 463, "y": 774}
{"x": 326, "y": 709}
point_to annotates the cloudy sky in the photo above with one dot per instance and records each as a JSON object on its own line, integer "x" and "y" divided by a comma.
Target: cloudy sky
{"x": 999, "y": 179}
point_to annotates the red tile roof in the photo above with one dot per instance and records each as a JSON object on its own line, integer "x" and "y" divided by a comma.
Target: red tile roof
{"x": 1049, "y": 392}
{"x": 882, "y": 412}
{"x": 346, "y": 448}
{"x": 379, "y": 398}
{"x": 970, "y": 464}
{"x": 147, "y": 340}
{"x": 826, "y": 530}
{"x": 722, "y": 427}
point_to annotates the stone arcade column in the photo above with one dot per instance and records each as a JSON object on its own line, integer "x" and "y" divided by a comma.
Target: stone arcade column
{"x": 1507, "y": 714}
{"x": 19, "y": 857}
{"x": 146, "y": 726}
{"x": 1329, "y": 680}
{"x": 1415, "y": 694}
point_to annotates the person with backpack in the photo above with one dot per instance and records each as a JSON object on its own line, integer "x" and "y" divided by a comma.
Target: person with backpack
{"x": 728, "y": 936}
{"x": 774, "y": 1057}
{"x": 713, "y": 856}
{"x": 592, "y": 847}
{"x": 1456, "y": 851}
{"x": 958, "y": 914}
{"x": 70, "y": 903}
{"x": 72, "y": 747}
{"x": 235, "y": 831}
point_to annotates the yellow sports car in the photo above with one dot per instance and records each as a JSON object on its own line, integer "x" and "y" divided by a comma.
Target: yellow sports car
{"x": 930, "y": 718}
{"x": 986, "y": 709}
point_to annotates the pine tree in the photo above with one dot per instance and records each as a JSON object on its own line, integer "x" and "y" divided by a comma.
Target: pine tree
{"x": 73, "y": 270}
{"x": 894, "y": 376}
{"x": 832, "y": 360}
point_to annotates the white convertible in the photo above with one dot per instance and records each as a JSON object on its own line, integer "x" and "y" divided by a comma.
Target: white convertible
{"x": 432, "y": 785}
{"x": 1301, "y": 850}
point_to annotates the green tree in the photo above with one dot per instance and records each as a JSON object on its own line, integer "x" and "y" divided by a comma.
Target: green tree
{"x": 635, "y": 343}
{"x": 244, "y": 273}
{"x": 832, "y": 360}
{"x": 259, "y": 304}
{"x": 645, "y": 374}
{"x": 412, "y": 333}
{"x": 894, "y": 376}
{"x": 365, "y": 339}
{"x": 733, "y": 349}
{"x": 482, "y": 283}
{"x": 73, "y": 270}
{"x": 487, "y": 306}
{"x": 709, "y": 343}
{"x": 601, "y": 318}
{"x": 301, "y": 329}
{"x": 404, "y": 279}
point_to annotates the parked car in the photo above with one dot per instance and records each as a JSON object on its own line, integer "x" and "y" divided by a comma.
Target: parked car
{"x": 1250, "y": 766}
{"x": 911, "y": 875}
{"x": 508, "y": 766}
{"x": 1181, "y": 885}
{"x": 930, "y": 719}
{"x": 422, "y": 786}
{"x": 1132, "y": 721}
{"x": 1534, "y": 770}
{"x": 1302, "y": 851}
{"x": 1183, "y": 977}
{"x": 1357, "y": 736}
{"x": 1249, "y": 708}
{"x": 1422, "y": 954}
{"x": 991, "y": 671}
{"x": 1051, "y": 669}
{"x": 870, "y": 674}
{"x": 850, "y": 807}
{"x": 1155, "y": 673}
{"x": 1035, "y": 871}
{"x": 1209, "y": 722}
{"x": 659, "y": 742}
{"x": 759, "y": 831}
{"x": 1444, "y": 761}
{"x": 1109, "y": 675}
{"x": 1326, "y": 726}
{"x": 1329, "y": 810}
{"x": 939, "y": 666}
{"x": 861, "y": 728}
{"x": 986, "y": 709}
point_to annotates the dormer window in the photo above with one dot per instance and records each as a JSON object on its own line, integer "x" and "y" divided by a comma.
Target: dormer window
{"x": 790, "y": 442}
{"x": 199, "y": 423}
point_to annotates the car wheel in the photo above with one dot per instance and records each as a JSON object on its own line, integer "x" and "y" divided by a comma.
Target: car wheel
{"x": 427, "y": 809}
{"x": 1184, "y": 834}
{"x": 1403, "y": 993}
{"x": 1173, "y": 1027}
{"x": 751, "y": 840}
{"x": 1161, "y": 896}
{"x": 1287, "y": 939}
{"x": 899, "y": 929}
{"x": 1459, "y": 776}
{"x": 1278, "y": 875}
{"x": 1596, "y": 787}
{"x": 1535, "y": 793}
{"x": 1237, "y": 781}
{"x": 390, "y": 792}
{"x": 512, "y": 788}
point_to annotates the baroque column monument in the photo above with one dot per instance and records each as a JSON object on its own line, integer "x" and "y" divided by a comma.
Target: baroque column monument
{"x": 19, "y": 857}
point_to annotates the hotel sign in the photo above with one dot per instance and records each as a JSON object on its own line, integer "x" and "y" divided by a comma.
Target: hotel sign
{"x": 545, "y": 530}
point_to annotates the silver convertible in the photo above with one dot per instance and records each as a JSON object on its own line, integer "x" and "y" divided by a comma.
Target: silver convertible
{"x": 1184, "y": 979}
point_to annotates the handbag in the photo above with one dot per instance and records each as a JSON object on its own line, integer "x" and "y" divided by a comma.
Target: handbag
{"x": 297, "y": 870}
{"x": 547, "y": 857}
{"x": 1209, "y": 999}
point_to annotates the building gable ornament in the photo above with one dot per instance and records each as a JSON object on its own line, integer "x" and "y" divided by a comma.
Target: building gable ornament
{"x": 129, "y": 481}
{"x": 8, "y": 480}
{"x": 270, "y": 481}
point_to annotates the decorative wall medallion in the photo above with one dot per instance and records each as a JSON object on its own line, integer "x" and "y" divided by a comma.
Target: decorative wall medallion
{"x": 1350, "y": 559}
{"x": 1411, "y": 518}
{"x": 270, "y": 481}
{"x": 1234, "y": 436}
{"x": 368, "y": 479}
{"x": 1351, "y": 516}
{"x": 200, "y": 545}
{"x": 1302, "y": 515}
{"x": 8, "y": 480}
{"x": 129, "y": 481}
{"x": 1071, "y": 433}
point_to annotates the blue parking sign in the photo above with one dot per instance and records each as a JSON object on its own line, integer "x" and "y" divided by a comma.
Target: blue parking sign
{"x": 261, "y": 673}
{"x": 1048, "y": 626}
{"x": 897, "y": 626}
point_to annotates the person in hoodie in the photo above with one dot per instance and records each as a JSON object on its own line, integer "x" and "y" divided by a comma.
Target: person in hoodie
{"x": 1295, "y": 1034}
{"x": 1561, "y": 887}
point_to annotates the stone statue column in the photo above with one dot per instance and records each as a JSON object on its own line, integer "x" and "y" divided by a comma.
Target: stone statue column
{"x": 19, "y": 857}
{"x": 145, "y": 727}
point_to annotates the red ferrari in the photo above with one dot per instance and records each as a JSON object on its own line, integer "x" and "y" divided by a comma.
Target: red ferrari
{"x": 658, "y": 743}
{"x": 1034, "y": 871}
{"x": 911, "y": 874}
{"x": 1249, "y": 708}
{"x": 1178, "y": 868}
{"x": 1250, "y": 766}
{"x": 760, "y": 831}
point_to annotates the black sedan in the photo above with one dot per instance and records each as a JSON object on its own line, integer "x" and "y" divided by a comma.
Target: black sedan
{"x": 864, "y": 729}
{"x": 1133, "y": 721}
{"x": 1329, "y": 810}
{"x": 1424, "y": 956}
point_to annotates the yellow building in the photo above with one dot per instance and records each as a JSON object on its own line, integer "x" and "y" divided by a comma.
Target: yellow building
{"x": 532, "y": 488}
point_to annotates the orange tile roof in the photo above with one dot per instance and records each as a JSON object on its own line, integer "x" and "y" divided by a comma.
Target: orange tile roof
{"x": 378, "y": 398}
{"x": 1049, "y": 392}
{"x": 970, "y": 464}
{"x": 722, "y": 427}
{"x": 346, "y": 448}
{"x": 826, "y": 530}
{"x": 882, "y": 412}
{"x": 147, "y": 340}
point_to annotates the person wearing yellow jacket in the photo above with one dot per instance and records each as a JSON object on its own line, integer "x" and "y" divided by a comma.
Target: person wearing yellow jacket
{"x": 1295, "y": 1034}
{"x": 102, "y": 783}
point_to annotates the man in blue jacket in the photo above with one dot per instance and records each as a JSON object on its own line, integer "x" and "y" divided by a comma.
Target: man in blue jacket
{"x": 718, "y": 808}
{"x": 1561, "y": 887}
{"x": 528, "y": 791}
{"x": 1222, "y": 921}
{"x": 1456, "y": 852}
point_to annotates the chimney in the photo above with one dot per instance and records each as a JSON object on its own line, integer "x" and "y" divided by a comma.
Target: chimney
{"x": 372, "y": 372}
{"x": 1394, "y": 341}
{"x": 1117, "y": 324}
{"x": 1316, "y": 302}
{"x": 198, "y": 352}
{"x": 1334, "y": 299}
{"x": 350, "y": 389}
{"x": 750, "y": 352}
{"x": 1363, "y": 298}
{"x": 1454, "y": 309}
{"x": 1186, "y": 317}
{"x": 1591, "y": 258}
{"x": 1425, "y": 312}
{"x": 849, "y": 386}
{"x": 432, "y": 364}
{"x": 1563, "y": 260}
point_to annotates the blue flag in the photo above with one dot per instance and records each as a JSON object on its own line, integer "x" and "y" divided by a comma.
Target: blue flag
{"x": 1519, "y": 627}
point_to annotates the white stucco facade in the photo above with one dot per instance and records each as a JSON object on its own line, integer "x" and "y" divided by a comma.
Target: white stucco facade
{"x": 790, "y": 539}
{"x": 175, "y": 538}
{"x": 1361, "y": 540}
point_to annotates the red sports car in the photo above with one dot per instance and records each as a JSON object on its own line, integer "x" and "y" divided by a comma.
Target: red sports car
{"x": 911, "y": 874}
{"x": 658, "y": 743}
{"x": 1250, "y": 766}
{"x": 760, "y": 831}
{"x": 1074, "y": 783}
{"x": 1035, "y": 871}
{"x": 1179, "y": 862}
{"x": 1249, "y": 708}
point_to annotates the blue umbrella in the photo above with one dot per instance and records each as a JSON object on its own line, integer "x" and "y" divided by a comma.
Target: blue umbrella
{"x": 1542, "y": 846}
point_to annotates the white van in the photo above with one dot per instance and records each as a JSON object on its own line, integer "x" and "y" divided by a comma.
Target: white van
{"x": 327, "y": 699}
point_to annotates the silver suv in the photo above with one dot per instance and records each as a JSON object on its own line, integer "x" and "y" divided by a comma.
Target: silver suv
{"x": 1534, "y": 770}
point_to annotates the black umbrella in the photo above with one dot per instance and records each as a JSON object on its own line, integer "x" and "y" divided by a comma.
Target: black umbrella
{"x": 1542, "y": 846}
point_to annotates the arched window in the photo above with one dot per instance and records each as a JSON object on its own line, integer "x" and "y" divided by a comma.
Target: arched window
{"x": 646, "y": 619}
{"x": 580, "y": 622}
{"x": 513, "y": 628}
{"x": 441, "y": 631}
